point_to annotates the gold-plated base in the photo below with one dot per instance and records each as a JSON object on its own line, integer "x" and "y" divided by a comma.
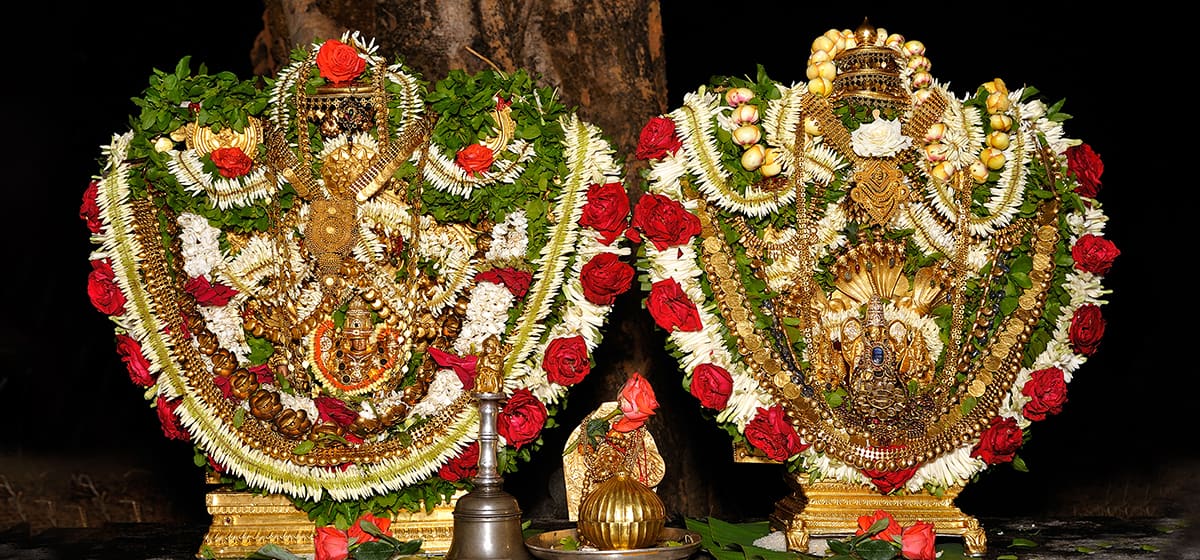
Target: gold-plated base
{"x": 833, "y": 509}
{"x": 243, "y": 522}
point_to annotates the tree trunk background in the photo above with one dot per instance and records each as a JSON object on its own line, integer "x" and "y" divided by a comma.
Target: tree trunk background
{"x": 605, "y": 58}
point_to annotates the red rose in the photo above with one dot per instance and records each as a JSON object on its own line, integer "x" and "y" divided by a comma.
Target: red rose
{"x": 887, "y": 481}
{"x": 999, "y": 443}
{"x": 103, "y": 290}
{"x": 464, "y": 368}
{"x": 1094, "y": 254}
{"x": 916, "y": 542}
{"x": 604, "y": 278}
{"x": 331, "y": 543}
{"x": 1087, "y": 328}
{"x": 216, "y": 295}
{"x": 606, "y": 211}
{"x": 331, "y": 409}
{"x": 360, "y": 536}
{"x": 1087, "y": 167}
{"x": 712, "y": 384}
{"x": 664, "y": 221}
{"x": 474, "y": 159}
{"x": 131, "y": 353}
{"x": 263, "y": 374}
{"x": 1048, "y": 391}
{"x": 888, "y": 533}
{"x": 517, "y": 281}
{"x": 231, "y": 162}
{"x": 339, "y": 62}
{"x": 89, "y": 211}
{"x": 462, "y": 467}
{"x": 522, "y": 418}
{"x": 637, "y": 403}
{"x": 671, "y": 308}
{"x": 225, "y": 386}
{"x": 657, "y": 139}
{"x": 771, "y": 432}
{"x": 567, "y": 360}
{"x": 171, "y": 426}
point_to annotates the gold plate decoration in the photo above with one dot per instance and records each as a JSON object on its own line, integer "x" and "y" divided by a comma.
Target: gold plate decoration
{"x": 867, "y": 277}
{"x": 304, "y": 276}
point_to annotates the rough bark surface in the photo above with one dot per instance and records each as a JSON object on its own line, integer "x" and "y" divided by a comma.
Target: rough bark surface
{"x": 605, "y": 58}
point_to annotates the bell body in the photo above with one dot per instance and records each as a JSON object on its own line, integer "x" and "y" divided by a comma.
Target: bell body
{"x": 621, "y": 513}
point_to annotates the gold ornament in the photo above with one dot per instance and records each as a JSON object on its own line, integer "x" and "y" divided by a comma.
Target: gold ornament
{"x": 621, "y": 514}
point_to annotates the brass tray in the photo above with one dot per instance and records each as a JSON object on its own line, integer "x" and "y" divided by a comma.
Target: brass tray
{"x": 544, "y": 545}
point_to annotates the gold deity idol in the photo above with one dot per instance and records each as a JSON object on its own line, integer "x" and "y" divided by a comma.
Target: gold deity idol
{"x": 869, "y": 276}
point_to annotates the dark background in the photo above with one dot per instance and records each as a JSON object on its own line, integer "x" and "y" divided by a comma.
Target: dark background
{"x": 1123, "y": 445}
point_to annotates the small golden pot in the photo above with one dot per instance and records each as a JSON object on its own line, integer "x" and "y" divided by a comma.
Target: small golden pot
{"x": 621, "y": 513}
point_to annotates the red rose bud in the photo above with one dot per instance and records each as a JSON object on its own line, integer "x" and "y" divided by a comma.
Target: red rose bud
{"x": 637, "y": 403}
{"x": 1087, "y": 167}
{"x": 664, "y": 221}
{"x": 567, "y": 360}
{"x": 474, "y": 159}
{"x": 604, "y": 278}
{"x": 216, "y": 295}
{"x": 1087, "y": 328}
{"x": 606, "y": 211}
{"x": 1094, "y": 254}
{"x": 712, "y": 385}
{"x": 671, "y": 307}
{"x": 131, "y": 353}
{"x": 89, "y": 211}
{"x": 657, "y": 139}
{"x": 338, "y": 62}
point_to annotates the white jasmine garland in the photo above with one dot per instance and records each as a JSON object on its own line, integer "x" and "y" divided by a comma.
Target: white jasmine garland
{"x": 509, "y": 239}
{"x": 200, "y": 244}
{"x": 446, "y": 387}
{"x": 487, "y": 312}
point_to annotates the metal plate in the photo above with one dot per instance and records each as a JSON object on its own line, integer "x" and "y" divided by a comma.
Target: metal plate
{"x": 545, "y": 546}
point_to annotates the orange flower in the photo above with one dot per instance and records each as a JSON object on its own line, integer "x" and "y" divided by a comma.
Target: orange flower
{"x": 360, "y": 536}
{"x": 637, "y": 403}
{"x": 889, "y": 533}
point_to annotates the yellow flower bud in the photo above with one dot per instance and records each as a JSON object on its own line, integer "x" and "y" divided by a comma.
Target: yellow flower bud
{"x": 979, "y": 171}
{"x": 998, "y": 139}
{"x": 914, "y": 47}
{"x": 737, "y": 96}
{"x": 823, "y": 43}
{"x": 942, "y": 171}
{"x": 997, "y": 102}
{"x": 812, "y": 127}
{"x": 827, "y": 70}
{"x": 1001, "y": 122}
{"x": 918, "y": 63}
{"x": 163, "y": 144}
{"x": 772, "y": 163}
{"x": 936, "y": 132}
{"x": 818, "y": 57}
{"x": 895, "y": 41}
{"x": 991, "y": 157}
{"x": 753, "y": 157}
{"x": 820, "y": 86}
{"x": 922, "y": 80}
{"x": 921, "y": 95}
{"x": 746, "y": 135}
{"x": 745, "y": 113}
{"x": 996, "y": 85}
{"x": 937, "y": 152}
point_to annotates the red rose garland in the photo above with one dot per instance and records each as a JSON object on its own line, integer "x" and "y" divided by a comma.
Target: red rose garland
{"x": 89, "y": 212}
{"x": 171, "y": 426}
{"x": 711, "y": 385}
{"x": 517, "y": 281}
{"x": 606, "y": 211}
{"x": 604, "y": 278}
{"x": 888, "y": 481}
{"x": 567, "y": 361}
{"x": 334, "y": 410}
{"x": 671, "y": 308}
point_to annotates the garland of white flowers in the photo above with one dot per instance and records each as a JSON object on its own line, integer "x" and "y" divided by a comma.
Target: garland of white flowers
{"x": 699, "y": 160}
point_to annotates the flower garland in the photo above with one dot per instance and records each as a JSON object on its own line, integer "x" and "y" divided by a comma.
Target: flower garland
{"x": 832, "y": 256}
{"x": 306, "y": 278}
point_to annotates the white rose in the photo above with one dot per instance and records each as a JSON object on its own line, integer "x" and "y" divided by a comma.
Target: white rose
{"x": 879, "y": 138}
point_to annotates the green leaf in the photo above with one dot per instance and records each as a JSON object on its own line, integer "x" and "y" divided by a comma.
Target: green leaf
{"x": 1019, "y": 464}
{"x": 373, "y": 550}
{"x": 1022, "y": 543}
{"x": 239, "y": 417}
{"x": 967, "y": 404}
{"x": 1085, "y": 549}
{"x": 1007, "y": 557}
{"x": 1149, "y": 548}
{"x": 874, "y": 549}
{"x": 273, "y": 552}
{"x": 568, "y": 543}
{"x": 304, "y": 447}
